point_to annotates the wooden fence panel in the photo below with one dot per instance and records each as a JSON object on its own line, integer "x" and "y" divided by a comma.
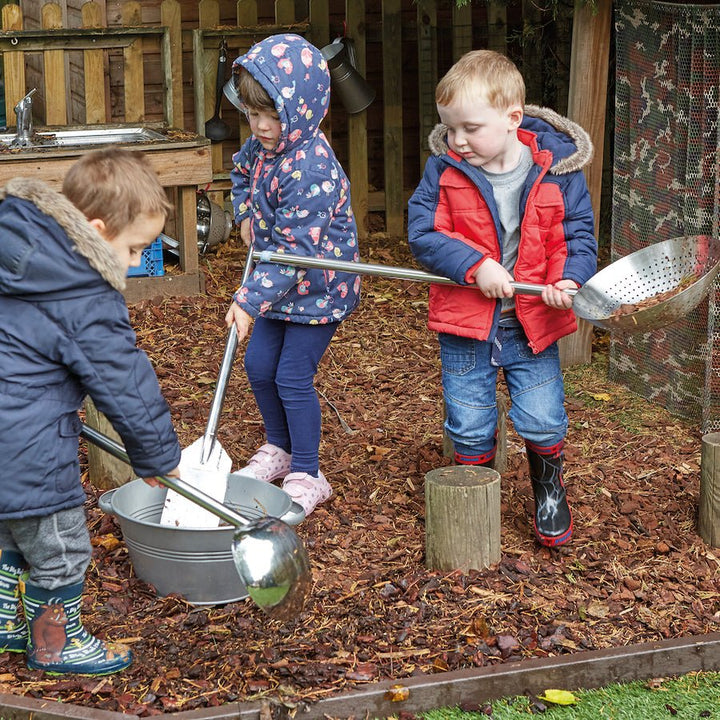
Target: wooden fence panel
{"x": 14, "y": 64}
{"x": 393, "y": 117}
{"x": 357, "y": 123}
{"x": 54, "y": 74}
{"x": 94, "y": 70}
{"x": 171, "y": 18}
{"x": 402, "y": 46}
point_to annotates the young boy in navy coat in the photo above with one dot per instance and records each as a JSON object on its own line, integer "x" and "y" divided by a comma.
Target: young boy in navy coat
{"x": 65, "y": 334}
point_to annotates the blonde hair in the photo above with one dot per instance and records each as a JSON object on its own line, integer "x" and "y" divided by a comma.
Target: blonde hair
{"x": 490, "y": 73}
{"x": 115, "y": 186}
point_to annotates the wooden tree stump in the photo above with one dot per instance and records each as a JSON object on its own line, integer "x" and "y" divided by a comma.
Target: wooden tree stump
{"x": 709, "y": 516}
{"x": 462, "y": 518}
{"x": 501, "y": 452}
{"x": 105, "y": 471}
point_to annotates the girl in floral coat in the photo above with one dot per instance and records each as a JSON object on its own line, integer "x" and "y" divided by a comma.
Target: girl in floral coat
{"x": 290, "y": 195}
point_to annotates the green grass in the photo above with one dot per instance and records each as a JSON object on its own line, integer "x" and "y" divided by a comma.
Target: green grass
{"x": 690, "y": 697}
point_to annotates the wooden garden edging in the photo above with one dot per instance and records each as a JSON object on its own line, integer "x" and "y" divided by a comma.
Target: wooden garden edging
{"x": 578, "y": 671}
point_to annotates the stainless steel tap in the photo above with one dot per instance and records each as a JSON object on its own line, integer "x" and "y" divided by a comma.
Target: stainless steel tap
{"x": 23, "y": 112}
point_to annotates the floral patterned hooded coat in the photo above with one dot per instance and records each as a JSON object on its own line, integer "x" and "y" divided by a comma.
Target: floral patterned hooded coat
{"x": 296, "y": 195}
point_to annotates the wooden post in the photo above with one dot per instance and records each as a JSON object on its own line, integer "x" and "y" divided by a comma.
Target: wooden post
{"x": 357, "y": 123}
{"x": 427, "y": 73}
{"x": 393, "y": 118}
{"x": 94, "y": 70}
{"x": 209, "y": 16}
{"x": 134, "y": 77}
{"x": 54, "y": 76}
{"x": 587, "y": 99}
{"x": 462, "y": 518}
{"x": 105, "y": 471}
{"x": 14, "y": 64}
{"x": 709, "y": 516}
{"x": 171, "y": 18}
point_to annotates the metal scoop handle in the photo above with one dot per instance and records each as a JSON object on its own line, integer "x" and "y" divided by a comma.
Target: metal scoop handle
{"x": 388, "y": 271}
{"x": 231, "y": 344}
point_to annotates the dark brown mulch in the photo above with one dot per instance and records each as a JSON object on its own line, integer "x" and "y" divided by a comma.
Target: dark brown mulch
{"x": 636, "y": 569}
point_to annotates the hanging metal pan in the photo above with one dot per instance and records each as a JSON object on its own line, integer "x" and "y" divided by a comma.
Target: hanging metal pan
{"x": 643, "y": 291}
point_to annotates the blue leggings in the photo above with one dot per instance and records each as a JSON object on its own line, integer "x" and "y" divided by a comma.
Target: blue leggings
{"x": 281, "y": 361}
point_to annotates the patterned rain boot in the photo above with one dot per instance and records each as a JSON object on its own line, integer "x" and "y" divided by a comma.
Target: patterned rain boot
{"x": 13, "y": 631}
{"x": 59, "y": 643}
{"x": 553, "y": 519}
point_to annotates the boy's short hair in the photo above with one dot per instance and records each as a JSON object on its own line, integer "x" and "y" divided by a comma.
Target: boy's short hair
{"x": 486, "y": 71}
{"x": 115, "y": 186}
{"x": 252, "y": 93}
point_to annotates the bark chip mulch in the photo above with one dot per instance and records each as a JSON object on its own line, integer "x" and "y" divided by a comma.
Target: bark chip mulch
{"x": 635, "y": 571}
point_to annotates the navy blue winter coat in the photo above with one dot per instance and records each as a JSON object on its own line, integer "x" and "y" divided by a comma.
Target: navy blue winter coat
{"x": 65, "y": 334}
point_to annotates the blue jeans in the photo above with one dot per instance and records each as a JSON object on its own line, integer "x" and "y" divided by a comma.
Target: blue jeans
{"x": 469, "y": 376}
{"x": 281, "y": 361}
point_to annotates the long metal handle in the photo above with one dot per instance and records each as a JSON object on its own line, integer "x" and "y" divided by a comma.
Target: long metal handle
{"x": 388, "y": 271}
{"x": 179, "y": 486}
{"x": 231, "y": 344}
{"x": 210, "y": 435}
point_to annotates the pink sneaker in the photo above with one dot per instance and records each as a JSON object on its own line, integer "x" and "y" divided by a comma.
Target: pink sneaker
{"x": 269, "y": 463}
{"x": 306, "y": 490}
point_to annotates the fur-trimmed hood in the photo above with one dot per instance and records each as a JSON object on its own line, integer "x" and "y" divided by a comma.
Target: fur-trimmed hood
{"x": 570, "y": 145}
{"x": 47, "y": 244}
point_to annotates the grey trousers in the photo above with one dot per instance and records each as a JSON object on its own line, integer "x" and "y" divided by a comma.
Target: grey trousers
{"x": 56, "y": 547}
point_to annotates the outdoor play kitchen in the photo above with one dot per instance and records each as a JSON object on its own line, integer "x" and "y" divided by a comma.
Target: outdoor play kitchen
{"x": 231, "y": 599}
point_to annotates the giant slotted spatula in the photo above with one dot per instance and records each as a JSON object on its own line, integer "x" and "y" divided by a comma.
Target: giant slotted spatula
{"x": 205, "y": 464}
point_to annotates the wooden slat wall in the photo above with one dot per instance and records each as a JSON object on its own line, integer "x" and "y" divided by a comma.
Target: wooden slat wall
{"x": 94, "y": 67}
{"x": 54, "y": 75}
{"x": 402, "y": 47}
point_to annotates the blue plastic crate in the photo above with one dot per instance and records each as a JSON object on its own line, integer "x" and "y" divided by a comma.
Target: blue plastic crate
{"x": 151, "y": 263}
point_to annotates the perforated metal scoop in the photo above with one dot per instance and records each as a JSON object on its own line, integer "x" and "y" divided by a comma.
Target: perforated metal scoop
{"x": 686, "y": 266}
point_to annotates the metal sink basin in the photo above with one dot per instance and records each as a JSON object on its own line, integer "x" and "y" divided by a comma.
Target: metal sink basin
{"x": 87, "y": 136}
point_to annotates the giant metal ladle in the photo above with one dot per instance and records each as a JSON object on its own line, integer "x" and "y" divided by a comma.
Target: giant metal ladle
{"x": 216, "y": 129}
{"x": 268, "y": 555}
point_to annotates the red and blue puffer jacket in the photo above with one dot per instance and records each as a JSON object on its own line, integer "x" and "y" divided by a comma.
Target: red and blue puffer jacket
{"x": 453, "y": 226}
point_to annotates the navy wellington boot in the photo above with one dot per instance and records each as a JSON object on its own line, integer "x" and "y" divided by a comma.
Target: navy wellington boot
{"x": 13, "y": 631}
{"x": 553, "y": 519}
{"x": 59, "y": 643}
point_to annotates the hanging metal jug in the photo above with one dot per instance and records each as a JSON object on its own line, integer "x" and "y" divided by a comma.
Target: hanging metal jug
{"x": 230, "y": 89}
{"x": 347, "y": 83}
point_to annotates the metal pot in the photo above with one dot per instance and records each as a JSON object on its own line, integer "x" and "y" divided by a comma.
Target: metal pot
{"x": 196, "y": 563}
{"x": 214, "y": 224}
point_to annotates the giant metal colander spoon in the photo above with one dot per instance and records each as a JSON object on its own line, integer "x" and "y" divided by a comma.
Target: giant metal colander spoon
{"x": 683, "y": 267}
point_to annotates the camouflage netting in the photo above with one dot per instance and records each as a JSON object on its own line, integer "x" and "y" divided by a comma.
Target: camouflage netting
{"x": 666, "y": 185}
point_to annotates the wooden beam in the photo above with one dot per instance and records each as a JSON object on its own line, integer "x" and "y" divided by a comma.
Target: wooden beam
{"x": 357, "y": 123}
{"x": 393, "y": 118}
{"x": 54, "y": 75}
{"x": 587, "y": 100}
